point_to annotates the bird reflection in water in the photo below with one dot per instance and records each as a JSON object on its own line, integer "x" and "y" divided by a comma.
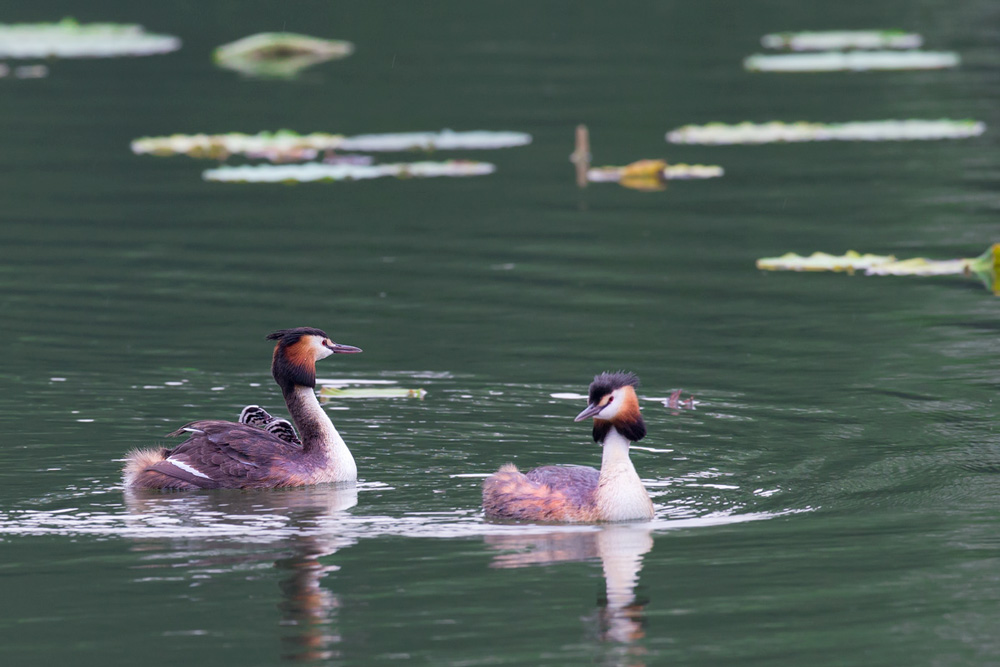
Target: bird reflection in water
{"x": 294, "y": 527}
{"x": 620, "y": 616}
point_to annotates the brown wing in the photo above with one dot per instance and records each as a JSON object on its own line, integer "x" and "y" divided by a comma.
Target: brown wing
{"x": 225, "y": 454}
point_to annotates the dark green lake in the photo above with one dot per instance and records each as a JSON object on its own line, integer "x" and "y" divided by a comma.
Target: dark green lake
{"x": 832, "y": 500}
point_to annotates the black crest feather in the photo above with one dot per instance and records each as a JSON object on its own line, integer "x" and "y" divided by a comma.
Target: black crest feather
{"x": 289, "y": 336}
{"x": 605, "y": 383}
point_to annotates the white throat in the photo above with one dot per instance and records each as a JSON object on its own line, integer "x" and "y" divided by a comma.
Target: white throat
{"x": 615, "y": 450}
{"x": 319, "y": 434}
{"x": 620, "y": 493}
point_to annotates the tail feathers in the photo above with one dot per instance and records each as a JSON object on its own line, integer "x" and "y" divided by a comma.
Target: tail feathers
{"x": 509, "y": 494}
{"x": 497, "y": 487}
{"x": 139, "y": 460}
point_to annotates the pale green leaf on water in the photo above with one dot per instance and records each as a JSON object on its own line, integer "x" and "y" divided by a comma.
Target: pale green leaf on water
{"x": 278, "y": 54}
{"x": 435, "y": 141}
{"x": 286, "y": 145}
{"x": 821, "y": 261}
{"x": 70, "y": 39}
{"x": 318, "y": 171}
{"x": 986, "y": 267}
{"x": 842, "y": 39}
{"x": 919, "y": 266}
{"x": 782, "y": 132}
{"x": 283, "y": 143}
{"x": 371, "y": 392}
{"x": 651, "y": 174}
{"x": 852, "y": 61}
{"x": 645, "y": 175}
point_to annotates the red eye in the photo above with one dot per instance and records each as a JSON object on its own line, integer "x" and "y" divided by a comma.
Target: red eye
{"x": 610, "y": 398}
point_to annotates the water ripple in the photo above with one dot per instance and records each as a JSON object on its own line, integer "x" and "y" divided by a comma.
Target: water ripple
{"x": 278, "y": 515}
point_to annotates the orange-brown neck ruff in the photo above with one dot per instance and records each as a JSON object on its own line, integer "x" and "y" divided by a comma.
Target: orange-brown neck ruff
{"x": 628, "y": 421}
{"x": 294, "y": 365}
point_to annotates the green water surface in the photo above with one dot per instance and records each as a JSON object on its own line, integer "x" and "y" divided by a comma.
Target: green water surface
{"x": 831, "y": 500}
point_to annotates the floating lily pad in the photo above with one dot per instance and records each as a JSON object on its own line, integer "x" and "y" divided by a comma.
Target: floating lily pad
{"x": 820, "y": 261}
{"x": 651, "y": 174}
{"x": 882, "y": 130}
{"x": 69, "y": 39}
{"x": 220, "y": 146}
{"x": 317, "y": 171}
{"x": 286, "y": 145}
{"x": 842, "y": 39}
{"x": 646, "y": 175}
{"x": 855, "y": 61}
{"x": 372, "y": 392}
{"x": 986, "y": 267}
{"x": 683, "y": 172}
{"x": 24, "y": 71}
{"x": 918, "y": 266}
{"x": 279, "y": 54}
{"x": 429, "y": 141}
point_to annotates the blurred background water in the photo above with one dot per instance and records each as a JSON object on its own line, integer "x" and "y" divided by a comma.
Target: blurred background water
{"x": 831, "y": 500}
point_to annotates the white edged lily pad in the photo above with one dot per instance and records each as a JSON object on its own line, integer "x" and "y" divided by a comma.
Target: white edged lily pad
{"x": 826, "y": 40}
{"x": 70, "y": 39}
{"x": 318, "y": 171}
{"x": 852, "y": 61}
{"x": 781, "y": 132}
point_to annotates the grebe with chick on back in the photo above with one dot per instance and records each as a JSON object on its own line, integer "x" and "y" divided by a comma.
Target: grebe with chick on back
{"x": 260, "y": 451}
{"x": 579, "y": 494}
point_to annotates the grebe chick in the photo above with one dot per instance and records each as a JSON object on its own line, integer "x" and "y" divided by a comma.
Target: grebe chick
{"x": 578, "y": 494}
{"x": 260, "y": 451}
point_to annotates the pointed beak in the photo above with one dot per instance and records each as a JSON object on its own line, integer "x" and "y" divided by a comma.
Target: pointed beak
{"x": 589, "y": 411}
{"x": 337, "y": 348}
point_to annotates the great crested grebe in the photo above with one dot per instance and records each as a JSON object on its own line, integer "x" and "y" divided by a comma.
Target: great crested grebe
{"x": 580, "y": 494}
{"x": 260, "y": 451}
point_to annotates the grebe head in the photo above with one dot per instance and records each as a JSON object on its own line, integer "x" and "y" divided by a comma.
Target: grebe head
{"x": 612, "y": 402}
{"x": 296, "y": 354}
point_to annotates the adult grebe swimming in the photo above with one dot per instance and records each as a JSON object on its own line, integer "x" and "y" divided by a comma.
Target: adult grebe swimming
{"x": 260, "y": 451}
{"x": 579, "y": 493}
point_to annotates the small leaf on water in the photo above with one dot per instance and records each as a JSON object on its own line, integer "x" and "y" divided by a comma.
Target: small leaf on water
{"x": 985, "y": 267}
{"x": 372, "y": 392}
